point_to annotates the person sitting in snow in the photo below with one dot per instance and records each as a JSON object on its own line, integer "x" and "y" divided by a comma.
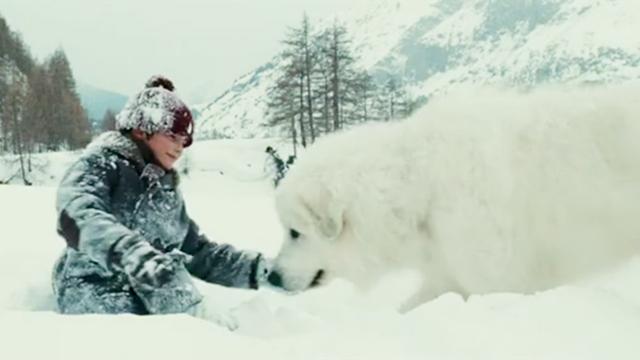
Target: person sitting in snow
{"x": 131, "y": 246}
{"x": 275, "y": 165}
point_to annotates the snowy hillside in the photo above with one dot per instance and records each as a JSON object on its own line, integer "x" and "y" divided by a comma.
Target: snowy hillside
{"x": 440, "y": 43}
{"x": 97, "y": 101}
{"x": 229, "y": 197}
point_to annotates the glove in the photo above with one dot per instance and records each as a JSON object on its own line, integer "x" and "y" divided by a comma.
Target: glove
{"x": 176, "y": 295}
{"x": 160, "y": 280}
{"x": 260, "y": 270}
{"x": 146, "y": 265}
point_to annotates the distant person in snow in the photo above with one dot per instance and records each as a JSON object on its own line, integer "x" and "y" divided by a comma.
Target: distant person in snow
{"x": 275, "y": 165}
{"x": 131, "y": 246}
{"x": 290, "y": 160}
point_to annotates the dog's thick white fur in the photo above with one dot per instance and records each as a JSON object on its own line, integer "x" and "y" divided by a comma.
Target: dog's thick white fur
{"x": 481, "y": 191}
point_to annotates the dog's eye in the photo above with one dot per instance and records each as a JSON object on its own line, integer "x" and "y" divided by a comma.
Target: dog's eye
{"x": 294, "y": 234}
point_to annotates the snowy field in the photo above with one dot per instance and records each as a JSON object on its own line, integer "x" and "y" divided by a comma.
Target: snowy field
{"x": 227, "y": 193}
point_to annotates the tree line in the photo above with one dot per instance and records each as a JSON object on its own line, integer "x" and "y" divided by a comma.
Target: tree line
{"x": 319, "y": 88}
{"x": 40, "y": 109}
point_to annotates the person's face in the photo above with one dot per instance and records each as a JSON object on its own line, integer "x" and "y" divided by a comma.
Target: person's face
{"x": 166, "y": 147}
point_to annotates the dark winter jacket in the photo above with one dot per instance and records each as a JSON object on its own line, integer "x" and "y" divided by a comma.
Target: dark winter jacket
{"x": 112, "y": 194}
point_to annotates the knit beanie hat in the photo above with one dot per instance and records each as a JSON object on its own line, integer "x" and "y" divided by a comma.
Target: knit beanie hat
{"x": 157, "y": 109}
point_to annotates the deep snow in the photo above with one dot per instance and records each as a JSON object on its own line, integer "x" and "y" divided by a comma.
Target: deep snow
{"x": 227, "y": 193}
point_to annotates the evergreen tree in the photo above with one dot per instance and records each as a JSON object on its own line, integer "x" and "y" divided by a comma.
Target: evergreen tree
{"x": 68, "y": 120}
{"x": 324, "y": 86}
{"x": 319, "y": 89}
{"x": 14, "y": 60}
{"x": 283, "y": 103}
{"x": 310, "y": 60}
{"x": 301, "y": 59}
{"x": 292, "y": 97}
{"x": 340, "y": 67}
{"x": 80, "y": 134}
{"x": 13, "y": 112}
{"x": 12, "y": 46}
{"x": 39, "y": 106}
{"x": 365, "y": 90}
{"x": 4, "y": 89}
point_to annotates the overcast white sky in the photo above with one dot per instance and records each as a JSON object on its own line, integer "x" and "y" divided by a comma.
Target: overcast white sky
{"x": 118, "y": 44}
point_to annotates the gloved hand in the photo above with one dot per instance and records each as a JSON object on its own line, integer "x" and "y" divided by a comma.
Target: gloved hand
{"x": 160, "y": 280}
{"x": 146, "y": 265}
{"x": 260, "y": 271}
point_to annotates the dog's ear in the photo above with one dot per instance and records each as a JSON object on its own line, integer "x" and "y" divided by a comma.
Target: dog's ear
{"x": 325, "y": 211}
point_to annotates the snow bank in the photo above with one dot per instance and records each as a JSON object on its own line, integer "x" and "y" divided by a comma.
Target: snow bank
{"x": 595, "y": 319}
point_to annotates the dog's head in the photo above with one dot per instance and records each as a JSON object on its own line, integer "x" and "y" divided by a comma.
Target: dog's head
{"x": 313, "y": 218}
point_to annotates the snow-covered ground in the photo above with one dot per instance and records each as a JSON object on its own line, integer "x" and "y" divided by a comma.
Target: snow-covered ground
{"x": 227, "y": 193}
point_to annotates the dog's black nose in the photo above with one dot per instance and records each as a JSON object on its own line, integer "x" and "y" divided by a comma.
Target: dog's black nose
{"x": 275, "y": 279}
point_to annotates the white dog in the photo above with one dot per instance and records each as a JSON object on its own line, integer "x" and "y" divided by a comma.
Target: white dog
{"x": 480, "y": 192}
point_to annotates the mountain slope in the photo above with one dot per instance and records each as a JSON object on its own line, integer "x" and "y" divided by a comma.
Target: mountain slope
{"x": 437, "y": 44}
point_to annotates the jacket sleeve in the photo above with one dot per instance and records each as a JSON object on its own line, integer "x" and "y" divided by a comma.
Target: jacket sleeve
{"x": 219, "y": 264}
{"x": 83, "y": 204}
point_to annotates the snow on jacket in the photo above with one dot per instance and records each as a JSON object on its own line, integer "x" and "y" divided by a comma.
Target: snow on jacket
{"x": 113, "y": 194}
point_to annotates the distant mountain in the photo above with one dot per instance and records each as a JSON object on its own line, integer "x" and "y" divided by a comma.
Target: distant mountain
{"x": 96, "y": 101}
{"x": 438, "y": 44}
